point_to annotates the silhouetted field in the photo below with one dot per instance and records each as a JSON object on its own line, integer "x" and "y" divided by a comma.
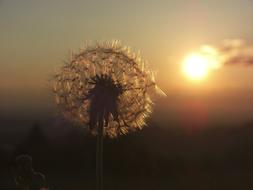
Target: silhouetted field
{"x": 154, "y": 158}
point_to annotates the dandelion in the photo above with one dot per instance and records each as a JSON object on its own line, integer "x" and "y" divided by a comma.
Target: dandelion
{"x": 106, "y": 88}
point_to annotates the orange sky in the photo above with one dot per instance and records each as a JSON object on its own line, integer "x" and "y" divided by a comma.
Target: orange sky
{"x": 37, "y": 35}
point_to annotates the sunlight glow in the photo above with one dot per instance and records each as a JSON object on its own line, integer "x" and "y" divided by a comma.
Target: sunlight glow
{"x": 196, "y": 66}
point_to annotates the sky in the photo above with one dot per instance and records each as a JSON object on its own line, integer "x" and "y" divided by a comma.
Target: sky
{"x": 36, "y": 36}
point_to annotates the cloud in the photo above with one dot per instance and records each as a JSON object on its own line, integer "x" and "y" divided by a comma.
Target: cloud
{"x": 236, "y": 52}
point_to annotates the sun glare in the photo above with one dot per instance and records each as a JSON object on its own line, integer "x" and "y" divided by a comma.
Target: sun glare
{"x": 196, "y": 66}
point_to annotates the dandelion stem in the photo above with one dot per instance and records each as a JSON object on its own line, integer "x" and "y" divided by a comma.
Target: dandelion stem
{"x": 99, "y": 156}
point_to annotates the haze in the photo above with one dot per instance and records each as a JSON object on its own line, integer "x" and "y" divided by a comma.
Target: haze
{"x": 36, "y": 36}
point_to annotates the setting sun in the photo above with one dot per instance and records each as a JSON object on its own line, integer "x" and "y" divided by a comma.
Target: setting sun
{"x": 196, "y": 66}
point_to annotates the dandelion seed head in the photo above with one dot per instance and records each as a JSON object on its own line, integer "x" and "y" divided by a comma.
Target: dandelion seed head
{"x": 105, "y": 82}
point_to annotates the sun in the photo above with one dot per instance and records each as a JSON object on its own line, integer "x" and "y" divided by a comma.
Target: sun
{"x": 196, "y": 66}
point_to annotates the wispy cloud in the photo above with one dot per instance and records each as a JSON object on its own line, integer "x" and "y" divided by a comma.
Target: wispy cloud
{"x": 235, "y": 52}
